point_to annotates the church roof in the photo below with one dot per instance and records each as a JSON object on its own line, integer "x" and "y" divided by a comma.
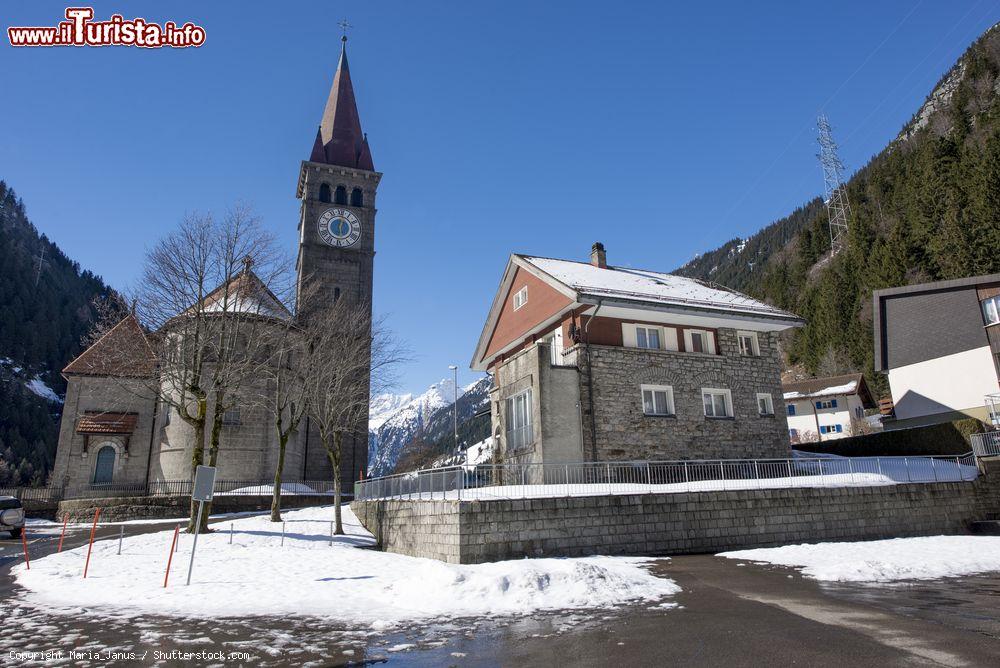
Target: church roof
{"x": 246, "y": 294}
{"x": 339, "y": 139}
{"x": 124, "y": 350}
{"x": 97, "y": 422}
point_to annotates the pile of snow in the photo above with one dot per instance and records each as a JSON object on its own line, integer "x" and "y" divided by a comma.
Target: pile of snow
{"x": 885, "y": 560}
{"x": 287, "y": 488}
{"x": 480, "y": 453}
{"x": 256, "y": 575}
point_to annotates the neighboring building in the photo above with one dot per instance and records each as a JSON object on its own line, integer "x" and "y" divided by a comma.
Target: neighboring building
{"x": 820, "y": 409}
{"x": 114, "y": 434}
{"x": 939, "y": 344}
{"x": 595, "y": 362}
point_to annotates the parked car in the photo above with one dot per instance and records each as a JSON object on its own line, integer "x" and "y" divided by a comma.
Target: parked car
{"x": 11, "y": 516}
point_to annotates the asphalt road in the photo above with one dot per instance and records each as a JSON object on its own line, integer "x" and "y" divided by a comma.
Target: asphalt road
{"x": 728, "y": 614}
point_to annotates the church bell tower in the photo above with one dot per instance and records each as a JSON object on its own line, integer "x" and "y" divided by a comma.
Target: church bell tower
{"x": 336, "y": 188}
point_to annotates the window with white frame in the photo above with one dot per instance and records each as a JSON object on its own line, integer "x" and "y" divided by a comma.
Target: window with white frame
{"x": 519, "y": 433}
{"x": 521, "y": 297}
{"x": 765, "y": 405}
{"x": 647, "y": 337}
{"x": 657, "y": 400}
{"x": 991, "y": 310}
{"x": 748, "y": 344}
{"x": 831, "y": 429}
{"x": 830, "y": 403}
{"x": 718, "y": 402}
{"x": 699, "y": 341}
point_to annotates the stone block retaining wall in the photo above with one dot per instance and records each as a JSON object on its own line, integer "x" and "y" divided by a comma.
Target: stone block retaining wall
{"x": 658, "y": 524}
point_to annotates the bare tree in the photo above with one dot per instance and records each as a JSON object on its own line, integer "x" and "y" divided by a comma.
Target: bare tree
{"x": 350, "y": 356}
{"x": 209, "y": 293}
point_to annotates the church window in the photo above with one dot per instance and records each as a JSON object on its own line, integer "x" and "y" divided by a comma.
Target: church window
{"x": 104, "y": 469}
{"x": 340, "y": 196}
{"x": 324, "y": 193}
{"x": 231, "y": 416}
{"x": 521, "y": 297}
{"x": 357, "y": 198}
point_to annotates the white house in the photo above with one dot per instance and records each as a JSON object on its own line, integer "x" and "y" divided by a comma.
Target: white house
{"x": 820, "y": 409}
{"x": 939, "y": 345}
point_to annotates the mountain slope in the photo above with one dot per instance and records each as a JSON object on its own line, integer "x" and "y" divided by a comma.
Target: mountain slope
{"x": 46, "y": 313}
{"x": 927, "y": 207}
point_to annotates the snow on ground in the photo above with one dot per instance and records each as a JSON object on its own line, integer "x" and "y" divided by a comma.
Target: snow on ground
{"x": 256, "y": 575}
{"x": 38, "y": 387}
{"x": 884, "y": 560}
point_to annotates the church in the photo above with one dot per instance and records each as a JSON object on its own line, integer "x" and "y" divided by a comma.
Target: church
{"x": 115, "y": 438}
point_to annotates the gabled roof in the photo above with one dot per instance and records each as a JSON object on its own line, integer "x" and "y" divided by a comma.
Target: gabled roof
{"x": 339, "y": 139}
{"x": 585, "y": 284}
{"x": 246, "y": 294}
{"x": 651, "y": 287}
{"x": 123, "y": 351}
{"x": 830, "y": 386}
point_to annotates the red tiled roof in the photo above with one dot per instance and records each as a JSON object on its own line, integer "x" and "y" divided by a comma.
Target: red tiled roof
{"x": 107, "y": 423}
{"x": 122, "y": 351}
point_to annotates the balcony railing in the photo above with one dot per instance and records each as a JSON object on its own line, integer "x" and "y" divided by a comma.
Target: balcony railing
{"x": 986, "y": 444}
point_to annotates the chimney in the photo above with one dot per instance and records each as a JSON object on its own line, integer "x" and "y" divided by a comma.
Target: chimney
{"x": 598, "y": 257}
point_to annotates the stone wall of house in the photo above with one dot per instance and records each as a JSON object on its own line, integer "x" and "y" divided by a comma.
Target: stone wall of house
{"x": 658, "y": 524}
{"x": 623, "y": 432}
{"x": 73, "y": 469}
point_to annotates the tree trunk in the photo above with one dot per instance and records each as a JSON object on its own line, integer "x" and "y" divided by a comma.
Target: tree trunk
{"x": 197, "y": 456}
{"x": 276, "y": 498}
{"x": 333, "y": 453}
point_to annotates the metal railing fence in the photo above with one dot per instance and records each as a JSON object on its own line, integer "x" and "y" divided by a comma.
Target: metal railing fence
{"x": 986, "y": 444}
{"x": 517, "y": 481}
{"x": 171, "y": 488}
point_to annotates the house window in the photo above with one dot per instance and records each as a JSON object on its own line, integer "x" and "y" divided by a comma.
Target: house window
{"x": 765, "y": 405}
{"x": 748, "y": 344}
{"x": 718, "y": 403}
{"x": 793, "y": 433}
{"x": 859, "y": 412}
{"x": 647, "y": 337}
{"x": 831, "y": 403}
{"x": 831, "y": 429}
{"x": 231, "y": 416}
{"x": 657, "y": 400}
{"x": 991, "y": 310}
{"x": 791, "y": 409}
{"x": 521, "y": 297}
{"x": 519, "y": 433}
{"x": 104, "y": 469}
{"x": 699, "y": 341}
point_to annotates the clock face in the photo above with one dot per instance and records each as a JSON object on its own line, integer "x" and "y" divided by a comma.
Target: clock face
{"x": 339, "y": 227}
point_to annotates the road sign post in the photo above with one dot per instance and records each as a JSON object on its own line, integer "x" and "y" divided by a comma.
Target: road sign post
{"x": 204, "y": 486}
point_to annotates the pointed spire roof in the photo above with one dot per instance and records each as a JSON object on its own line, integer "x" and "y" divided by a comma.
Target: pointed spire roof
{"x": 339, "y": 140}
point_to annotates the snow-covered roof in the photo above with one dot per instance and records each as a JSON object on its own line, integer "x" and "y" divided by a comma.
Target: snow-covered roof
{"x": 640, "y": 285}
{"x": 831, "y": 386}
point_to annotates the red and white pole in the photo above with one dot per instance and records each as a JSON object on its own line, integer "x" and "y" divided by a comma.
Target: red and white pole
{"x": 24, "y": 546}
{"x": 93, "y": 530}
{"x": 170, "y": 556}
{"x": 63, "y": 534}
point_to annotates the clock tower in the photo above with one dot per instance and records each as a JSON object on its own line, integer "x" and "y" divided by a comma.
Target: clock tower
{"x": 336, "y": 188}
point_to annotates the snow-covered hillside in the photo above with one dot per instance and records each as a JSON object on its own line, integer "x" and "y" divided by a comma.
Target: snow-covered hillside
{"x": 390, "y": 430}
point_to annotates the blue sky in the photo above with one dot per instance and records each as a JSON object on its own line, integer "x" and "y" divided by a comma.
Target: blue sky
{"x": 661, "y": 130}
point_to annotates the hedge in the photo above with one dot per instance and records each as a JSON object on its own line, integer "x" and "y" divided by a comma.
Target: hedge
{"x": 949, "y": 438}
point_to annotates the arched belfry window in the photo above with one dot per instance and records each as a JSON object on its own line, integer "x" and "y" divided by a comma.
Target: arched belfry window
{"x": 324, "y": 193}
{"x": 357, "y": 197}
{"x": 341, "y": 196}
{"x": 104, "y": 469}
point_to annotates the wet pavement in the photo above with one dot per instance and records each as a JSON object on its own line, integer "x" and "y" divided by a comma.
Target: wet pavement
{"x": 729, "y": 612}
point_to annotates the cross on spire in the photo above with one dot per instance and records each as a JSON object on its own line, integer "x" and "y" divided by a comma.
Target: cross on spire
{"x": 247, "y": 263}
{"x": 344, "y": 25}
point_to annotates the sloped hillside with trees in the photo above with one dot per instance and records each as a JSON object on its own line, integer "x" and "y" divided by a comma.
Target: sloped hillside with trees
{"x": 926, "y": 208}
{"x": 46, "y": 311}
